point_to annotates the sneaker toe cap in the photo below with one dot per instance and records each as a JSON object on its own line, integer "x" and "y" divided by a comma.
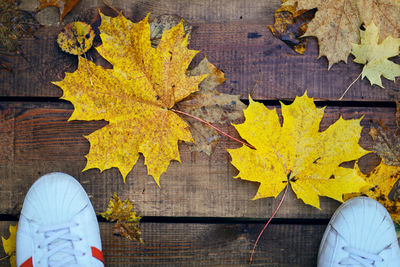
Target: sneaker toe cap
{"x": 364, "y": 223}
{"x": 54, "y": 198}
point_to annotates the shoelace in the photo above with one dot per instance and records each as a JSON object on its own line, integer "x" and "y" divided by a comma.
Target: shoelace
{"x": 358, "y": 257}
{"x": 58, "y": 239}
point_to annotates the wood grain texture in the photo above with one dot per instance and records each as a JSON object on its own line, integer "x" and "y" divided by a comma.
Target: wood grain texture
{"x": 243, "y": 48}
{"x": 37, "y": 139}
{"x": 168, "y": 244}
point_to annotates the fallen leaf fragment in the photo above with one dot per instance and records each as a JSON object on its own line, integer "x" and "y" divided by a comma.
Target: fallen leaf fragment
{"x": 134, "y": 96}
{"x": 381, "y": 182}
{"x": 65, "y": 6}
{"x": 166, "y": 22}
{"x": 336, "y": 23}
{"x": 76, "y": 38}
{"x": 297, "y": 152}
{"x": 387, "y": 142}
{"x": 375, "y": 55}
{"x": 290, "y": 25}
{"x": 9, "y": 245}
{"x": 127, "y": 223}
{"x": 211, "y": 106}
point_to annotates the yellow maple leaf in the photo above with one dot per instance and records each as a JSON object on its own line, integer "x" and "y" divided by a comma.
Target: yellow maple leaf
{"x": 134, "y": 97}
{"x": 297, "y": 153}
{"x": 375, "y": 56}
{"x": 380, "y": 184}
{"x": 126, "y": 220}
{"x": 336, "y": 23}
{"x": 9, "y": 244}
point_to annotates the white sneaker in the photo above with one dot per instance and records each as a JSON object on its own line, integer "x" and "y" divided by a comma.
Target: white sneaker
{"x": 58, "y": 226}
{"x": 360, "y": 233}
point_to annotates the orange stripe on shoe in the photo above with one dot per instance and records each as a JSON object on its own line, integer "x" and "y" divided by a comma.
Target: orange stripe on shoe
{"x": 98, "y": 254}
{"x": 27, "y": 263}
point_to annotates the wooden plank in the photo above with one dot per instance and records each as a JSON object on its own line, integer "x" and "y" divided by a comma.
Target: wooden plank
{"x": 228, "y": 43}
{"x": 169, "y": 244}
{"x": 178, "y": 244}
{"x": 43, "y": 141}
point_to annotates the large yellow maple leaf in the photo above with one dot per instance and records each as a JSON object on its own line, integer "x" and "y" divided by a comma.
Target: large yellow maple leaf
{"x": 336, "y": 23}
{"x": 134, "y": 96}
{"x": 297, "y": 152}
{"x": 375, "y": 55}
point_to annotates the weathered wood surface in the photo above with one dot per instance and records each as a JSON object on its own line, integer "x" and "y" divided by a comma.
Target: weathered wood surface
{"x": 233, "y": 35}
{"x": 35, "y": 138}
{"x": 168, "y": 244}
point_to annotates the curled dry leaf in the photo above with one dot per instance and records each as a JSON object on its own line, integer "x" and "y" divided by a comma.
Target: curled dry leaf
{"x": 297, "y": 152}
{"x": 15, "y": 24}
{"x": 9, "y": 245}
{"x": 336, "y": 23}
{"x": 135, "y": 97}
{"x": 381, "y": 187}
{"x": 290, "y": 25}
{"x": 387, "y": 142}
{"x": 127, "y": 223}
{"x": 211, "y": 106}
{"x": 65, "y": 6}
{"x": 375, "y": 56}
{"x": 76, "y": 38}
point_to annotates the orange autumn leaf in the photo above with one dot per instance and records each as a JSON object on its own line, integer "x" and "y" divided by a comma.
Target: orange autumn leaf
{"x": 135, "y": 96}
{"x": 297, "y": 153}
{"x": 65, "y": 6}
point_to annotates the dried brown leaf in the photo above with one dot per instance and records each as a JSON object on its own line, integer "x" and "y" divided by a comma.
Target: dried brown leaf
{"x": 65, "y": 6}
{"x": 387, "y": 142}
{"x": 336, "y": 23}
{"x": 211, "y": 106}
{"x": 290, "y": 25}
{"x": 127, "y": 223}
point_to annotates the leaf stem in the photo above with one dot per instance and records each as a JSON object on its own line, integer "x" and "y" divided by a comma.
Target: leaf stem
{"x": 358, "y": 77}
{"x": 265, "y": 226}
{"x": 215, "y": 128}
{"x": 5, "y": 257}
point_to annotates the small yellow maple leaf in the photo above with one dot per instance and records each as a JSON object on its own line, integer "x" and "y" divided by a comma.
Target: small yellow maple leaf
{"x": 134, "y": 97}
{"x": 127, "y": 222}
{"x": 380, "y": 184}
{"x": 375, "y": 56}
{"x": 9, "y": 244}
{"x": 76, "y": 38}
{"x": 297, "y": 152}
